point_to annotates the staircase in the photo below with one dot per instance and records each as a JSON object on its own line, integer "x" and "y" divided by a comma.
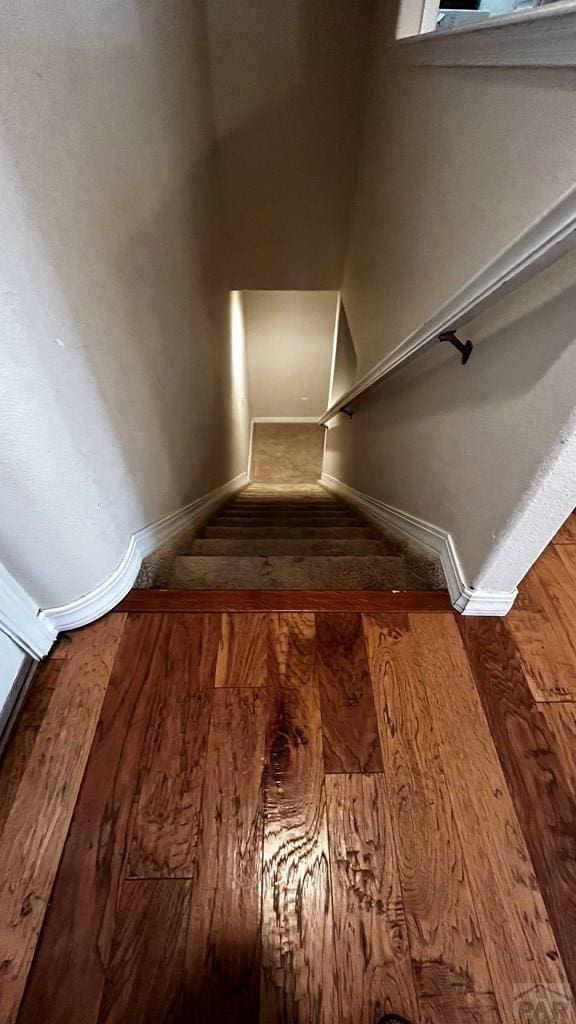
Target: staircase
{"x": 297, "y": 537}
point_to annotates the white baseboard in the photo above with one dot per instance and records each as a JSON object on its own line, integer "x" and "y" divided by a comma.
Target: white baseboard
{"x": 20, "y": 620}
{"x": 142, "y": 543}
{"x": 464, "y": 598}
{"x": 285, "y": 419}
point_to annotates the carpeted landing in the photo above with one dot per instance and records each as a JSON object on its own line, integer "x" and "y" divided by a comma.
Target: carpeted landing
{"x": 298, "y": 537}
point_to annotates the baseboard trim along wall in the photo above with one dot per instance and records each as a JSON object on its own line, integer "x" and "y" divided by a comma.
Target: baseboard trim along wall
{"x": 465, "y": 599}
{"x": 142, "y": 543}
{"x": 35, "y": 631}
{"x": 20, "y": 620}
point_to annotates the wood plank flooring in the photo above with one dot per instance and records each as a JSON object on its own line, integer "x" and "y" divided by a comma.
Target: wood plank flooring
{"x": 40, "y": 812}
{"x": 296, "y": 817}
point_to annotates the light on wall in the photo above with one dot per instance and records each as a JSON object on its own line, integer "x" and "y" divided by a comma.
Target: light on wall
{"x": 238, "y": 374}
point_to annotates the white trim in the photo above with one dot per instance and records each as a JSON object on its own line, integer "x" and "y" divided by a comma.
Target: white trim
{"x": 541, "y": 244}
{"x": 285, "y": 419}
{"x": 429, "y": 16}
{"x": 142, "y": 543}
{"x": 415, "y": 17}
{"x": 544, "y": 37}
{"x": 102, "y": 599}
{"x": 465, "y": 599}
{"x": 20, "y": 620}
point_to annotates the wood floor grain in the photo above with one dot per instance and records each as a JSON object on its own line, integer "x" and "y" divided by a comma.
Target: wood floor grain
{"x": 166, "y": 817}
{"x": 223, "y": 944}
{"x": 545, "y": 633}
{"x": 342, "y": 819}
{"x": 145, "y": 979}
{"x": 561, "y": 721}
{"x": 538, "y": 761}
{"x": 77, "y": 936}
{"x": 299, "y": 978}
{"x": 509, "y": 904}
{"x": 243, "y": 650}
{"x": 567, "y": 533}
{"x": 36, "y": 826}
{"x": 351, "y": 740}
{"x": 17, "y": 755}
{"x": 450, "y": 968}
{"x": 291, "y": 649}
{"x": 371, "y": 944}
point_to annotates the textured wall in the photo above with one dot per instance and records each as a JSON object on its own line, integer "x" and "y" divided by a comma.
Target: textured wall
{"x": 455, "y": 163}
{"x": 486, "y": 451}
{"x": 290, "y": 336}
{"x": 122, "y": 394}
{"x": 288, "y": 80}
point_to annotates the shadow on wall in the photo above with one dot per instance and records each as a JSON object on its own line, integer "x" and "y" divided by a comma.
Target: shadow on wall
{"x": 511, "y": 357}
{"x": 451, "y": 173}
{"x": 125, "y": 202}
{"x": 462, "y": 447}
{"x": 289, "y": 85}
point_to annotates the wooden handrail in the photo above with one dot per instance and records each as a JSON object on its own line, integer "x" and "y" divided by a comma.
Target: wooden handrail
{"x": 544, "y": 242}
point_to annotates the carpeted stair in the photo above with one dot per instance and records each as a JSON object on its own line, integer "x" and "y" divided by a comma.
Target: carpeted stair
{"x": 296, "y": 538}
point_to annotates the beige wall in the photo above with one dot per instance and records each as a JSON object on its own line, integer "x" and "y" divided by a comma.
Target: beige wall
{"x": 288, "y": 82}
{"x": 290, "y": 338}
{"x": 456, "y": 163}
{"x": 486, "y": 451}
{"x": 122, "y": 395}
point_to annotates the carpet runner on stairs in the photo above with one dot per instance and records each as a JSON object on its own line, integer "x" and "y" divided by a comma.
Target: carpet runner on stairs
{"x": 299, "y": 538}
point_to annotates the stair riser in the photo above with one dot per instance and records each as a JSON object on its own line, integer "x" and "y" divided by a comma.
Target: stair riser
{"x": 288, "y": 513}
{"x": 279, "y": 546}
{"x": 289, "y": 522}
{"x": 288, "y": 573}
{"x": 302, "y": 533}
{"x": 286, "y": 504}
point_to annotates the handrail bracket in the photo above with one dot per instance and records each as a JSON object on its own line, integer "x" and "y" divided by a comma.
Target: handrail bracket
{"x": 464, "y": 347}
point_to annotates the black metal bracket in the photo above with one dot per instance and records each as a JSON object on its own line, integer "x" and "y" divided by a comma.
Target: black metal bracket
{"x": 465, "y": 347}
{"x": 347, "y": 412}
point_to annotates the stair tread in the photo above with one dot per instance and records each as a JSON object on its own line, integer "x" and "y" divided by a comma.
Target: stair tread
{"x": 275, "y": 519}
{"x": 263, "y": 510}
{"x": 303, "y": 532}
{"x": 291, "y": 572}
{"x": 296, "y": 505}
{"x": 288, "y": 546}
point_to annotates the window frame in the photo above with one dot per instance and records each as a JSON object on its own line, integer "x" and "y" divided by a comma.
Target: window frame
{"x": 541, "y": 37}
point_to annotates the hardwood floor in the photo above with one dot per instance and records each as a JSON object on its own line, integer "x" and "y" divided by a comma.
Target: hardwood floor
{"x": 297, "y": 817}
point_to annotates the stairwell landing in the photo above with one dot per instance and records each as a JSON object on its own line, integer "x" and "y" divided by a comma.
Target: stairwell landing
{"x": 284, "y": 531}
{"x": 282, "y": 539}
